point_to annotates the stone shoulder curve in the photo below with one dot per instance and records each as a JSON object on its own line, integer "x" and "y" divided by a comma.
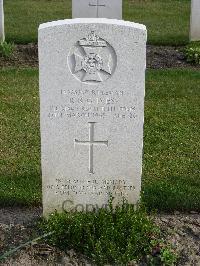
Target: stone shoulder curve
{"x": 92, "y": 20}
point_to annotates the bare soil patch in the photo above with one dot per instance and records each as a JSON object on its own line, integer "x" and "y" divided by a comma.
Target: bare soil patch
{"x": 158, "y": 57}
{"x": 23, "y": 56}
{"x": 161, "y": 57}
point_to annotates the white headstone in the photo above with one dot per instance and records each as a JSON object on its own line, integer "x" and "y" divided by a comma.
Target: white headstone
{"x": 195, "y": 20}
{"x": 97, "y": 9}
{"x": 92, "y": 85}
{"x": 2, "y": 34}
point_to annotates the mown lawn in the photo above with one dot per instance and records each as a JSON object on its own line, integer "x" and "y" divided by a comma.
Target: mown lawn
{"x": 171, "y": 176}
{"x": 171, "y": 142}
{"x": 167, "y": 21}
{"x": 20, "y": 148}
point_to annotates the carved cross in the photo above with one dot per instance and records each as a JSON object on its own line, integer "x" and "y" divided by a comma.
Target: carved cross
{"x": 91, "y": 142}
{"x": 98, "y": 5}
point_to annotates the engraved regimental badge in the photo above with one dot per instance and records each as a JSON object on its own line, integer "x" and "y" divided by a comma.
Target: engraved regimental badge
{"x": 92, "y": 59}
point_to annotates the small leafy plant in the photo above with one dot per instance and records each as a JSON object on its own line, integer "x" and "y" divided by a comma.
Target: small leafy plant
{"x": 192, "y": 53}
{"x": 117, "y": 236}
{"x": 167, "y": 256}
{"x": 6, "y": 49}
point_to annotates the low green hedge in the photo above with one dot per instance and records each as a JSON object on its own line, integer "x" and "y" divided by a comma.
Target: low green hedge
{"x": 6, "y": 49}
{"x": 119, "y": 236}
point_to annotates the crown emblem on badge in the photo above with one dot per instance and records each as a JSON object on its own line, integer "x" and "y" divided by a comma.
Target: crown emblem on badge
{"x": 92, "y": 40}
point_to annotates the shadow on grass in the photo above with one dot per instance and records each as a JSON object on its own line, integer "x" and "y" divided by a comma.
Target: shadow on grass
{"x": 171, "y": 194}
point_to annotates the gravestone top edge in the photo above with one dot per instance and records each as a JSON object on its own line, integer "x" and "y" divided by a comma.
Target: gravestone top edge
{"x": 92, "y": 21}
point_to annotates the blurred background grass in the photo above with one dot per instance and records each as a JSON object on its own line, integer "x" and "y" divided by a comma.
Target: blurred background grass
{"x": 167, "y": 21}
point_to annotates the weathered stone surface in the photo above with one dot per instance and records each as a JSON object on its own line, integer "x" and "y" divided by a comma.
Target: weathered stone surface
{"x": 2, "y": 34}
{"x": 195, "y": 20}
{"x": 97, "y": 9}
{"x": 92, "y": 80}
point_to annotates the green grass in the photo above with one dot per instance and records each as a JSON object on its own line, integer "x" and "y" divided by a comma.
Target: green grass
{"x": 22, "y": 17}
{"x": 167, "y": 21}
{"x": 20, "y": 168}
{"x": 171, "y": 143}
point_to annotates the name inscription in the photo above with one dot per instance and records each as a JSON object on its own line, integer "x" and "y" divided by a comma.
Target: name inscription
{"x": 90, "y": 103}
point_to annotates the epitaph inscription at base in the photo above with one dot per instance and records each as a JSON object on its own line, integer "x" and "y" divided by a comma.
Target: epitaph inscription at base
{"x": 92, "y": 80}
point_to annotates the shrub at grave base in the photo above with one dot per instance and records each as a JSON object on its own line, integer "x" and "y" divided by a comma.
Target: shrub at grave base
{"x": 6, "y": 49}
{"x": 192, "y": 53}
{"x": 108, "y": 236}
